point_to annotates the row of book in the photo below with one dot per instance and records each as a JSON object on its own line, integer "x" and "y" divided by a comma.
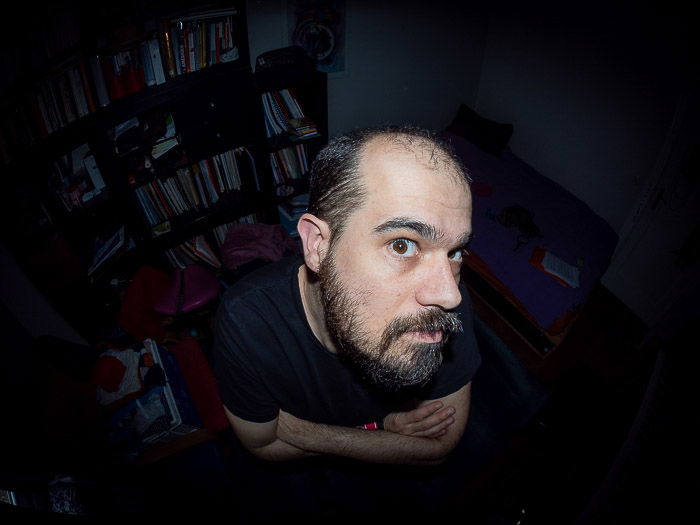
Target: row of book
{"x": 73, "y": 90}
{"x": 200, "y": 250}
{"x": 129, "y": 70}
{"x": 284, "y": 115}
{"x": 81, "y": 84}
{"x": 289, "y": 163}
{"x": 195, "y": 187}
{"x": 198, "y": 41}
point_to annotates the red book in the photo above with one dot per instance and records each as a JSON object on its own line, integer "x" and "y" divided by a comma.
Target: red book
{"x": 134, "y": 80}
{"x": 113, "y": 75}
{"x": 163, "y": 200}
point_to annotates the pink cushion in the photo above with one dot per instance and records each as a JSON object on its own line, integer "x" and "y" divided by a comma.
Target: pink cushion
{"x": 190, "y": 288}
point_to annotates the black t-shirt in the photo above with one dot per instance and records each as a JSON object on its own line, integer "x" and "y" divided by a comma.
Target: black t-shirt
{"x": 266, "y": 358}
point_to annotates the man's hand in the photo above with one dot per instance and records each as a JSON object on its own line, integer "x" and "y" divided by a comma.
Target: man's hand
{"x": 430, "y": 420}
{"x": 422, "y": 436}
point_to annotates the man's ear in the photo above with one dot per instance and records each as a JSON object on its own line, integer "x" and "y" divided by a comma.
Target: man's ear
{"x": 315, "y": 236}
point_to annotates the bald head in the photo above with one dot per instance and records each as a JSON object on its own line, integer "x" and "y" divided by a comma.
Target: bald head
{"x": 338, "y": 185}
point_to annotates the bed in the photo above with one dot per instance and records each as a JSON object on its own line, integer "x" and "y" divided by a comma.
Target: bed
{"x": 518, "y": 215}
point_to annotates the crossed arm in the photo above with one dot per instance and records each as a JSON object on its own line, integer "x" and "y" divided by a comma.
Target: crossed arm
{"x": 422, "y": 436}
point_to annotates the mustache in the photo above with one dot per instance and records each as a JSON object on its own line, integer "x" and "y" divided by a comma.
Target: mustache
{"x": 433, "y": 320}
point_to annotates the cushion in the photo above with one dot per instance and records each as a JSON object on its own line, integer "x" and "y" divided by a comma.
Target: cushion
{"x": 489, "y": 135}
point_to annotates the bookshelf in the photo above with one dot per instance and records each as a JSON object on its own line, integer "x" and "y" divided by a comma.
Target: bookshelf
{"x": 138, "y": 132}
{"x": 295, "y": 105}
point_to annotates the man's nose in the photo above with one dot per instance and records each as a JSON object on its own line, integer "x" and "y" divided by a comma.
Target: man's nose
{"x": 440, "y": 285}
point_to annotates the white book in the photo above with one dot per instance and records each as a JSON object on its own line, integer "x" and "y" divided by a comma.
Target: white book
{"x": 156, "y": 61}
{"x": 76, "y": 85}
{"x": 148, "y": 74}
{"x": 563, "y": 270}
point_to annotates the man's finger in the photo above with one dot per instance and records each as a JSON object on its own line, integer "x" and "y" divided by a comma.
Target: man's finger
{"x": 435, "y": 419}
{"x": 420, "y": 413}
{"x": 437, "y": 430}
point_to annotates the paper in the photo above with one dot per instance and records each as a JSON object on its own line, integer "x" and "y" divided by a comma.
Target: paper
{"x": 565, "y": 271}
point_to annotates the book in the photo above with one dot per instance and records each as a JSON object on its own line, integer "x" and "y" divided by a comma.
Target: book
{"x": 113, "y": 69}
{"x": 106, "y": 247}
{"x": 246, "y": 166}
{"x": 41, "y": 115}
{"x": 166, "y": 38}
{"x": 133, "y": 71}
{"x": 156, "y": 61}
{"x": 84, "y": 78}
{"x": 148, "y": 72}
{"x": 93, "y": 171}
{"x": 76, "y": 179}
{"x": 76, "y": 87}
{"x": 565, "y": 274}
{"x": 97, "y": 67}
{"x": 204, "y": 252}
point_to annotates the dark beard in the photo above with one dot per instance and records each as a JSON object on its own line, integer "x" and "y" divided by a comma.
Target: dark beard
{"x": 374, "y": 359}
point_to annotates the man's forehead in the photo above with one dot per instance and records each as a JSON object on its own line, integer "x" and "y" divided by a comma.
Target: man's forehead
{"x": 392, "y": 174}
{"x": 387, "y": 161}
{"x": 404, "y": 192}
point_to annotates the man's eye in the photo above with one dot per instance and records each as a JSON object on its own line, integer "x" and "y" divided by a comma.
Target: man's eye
{"x": 457, "y": 255}
{"x": 403, "y": 247}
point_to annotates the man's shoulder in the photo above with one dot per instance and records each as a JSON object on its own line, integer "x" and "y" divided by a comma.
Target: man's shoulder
{"x": 273, "y": 279}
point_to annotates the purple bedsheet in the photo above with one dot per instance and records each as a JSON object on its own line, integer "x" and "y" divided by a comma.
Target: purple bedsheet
{"x": 570, "y": 230}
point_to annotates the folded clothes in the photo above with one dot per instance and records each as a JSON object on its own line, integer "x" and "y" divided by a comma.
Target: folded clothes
{"x": 121, "y": 375}
{"x": 246, "y": 242}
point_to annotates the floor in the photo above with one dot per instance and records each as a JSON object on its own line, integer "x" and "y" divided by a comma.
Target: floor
{"x": 549, "y": 471}
{"x": 596, "y": 380}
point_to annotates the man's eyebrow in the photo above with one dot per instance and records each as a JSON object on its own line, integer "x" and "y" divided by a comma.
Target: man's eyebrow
{"x": 425, "y": 230}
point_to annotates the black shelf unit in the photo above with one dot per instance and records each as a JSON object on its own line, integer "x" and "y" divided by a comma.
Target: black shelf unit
{"x": 214, "y": 109}
{"x": 310, "y": 88}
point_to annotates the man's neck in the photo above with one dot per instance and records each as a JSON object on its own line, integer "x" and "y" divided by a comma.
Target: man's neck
{"x": 310, "y": 290}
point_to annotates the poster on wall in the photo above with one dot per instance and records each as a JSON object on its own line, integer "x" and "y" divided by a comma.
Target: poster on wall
{"x": 318, "y": 26}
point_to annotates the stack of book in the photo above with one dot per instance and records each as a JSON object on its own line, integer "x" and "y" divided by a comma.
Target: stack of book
{"x": 284, "y": 115}
{"x": 192, "y": 251}
{"x": 195, "y": 187}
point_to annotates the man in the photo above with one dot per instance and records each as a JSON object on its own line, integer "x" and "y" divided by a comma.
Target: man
{"x": 363, "y": 350}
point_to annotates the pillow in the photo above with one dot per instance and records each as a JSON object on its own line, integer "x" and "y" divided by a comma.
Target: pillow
{"x": 488, "y": 135}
